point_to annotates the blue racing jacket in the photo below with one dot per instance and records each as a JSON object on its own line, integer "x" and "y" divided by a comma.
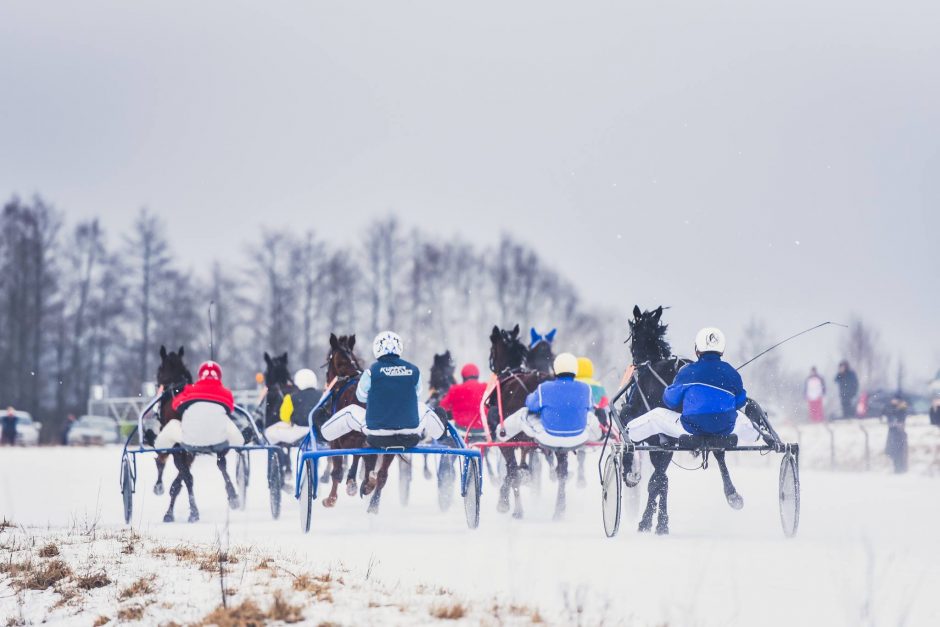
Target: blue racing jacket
{"x": 562, "y": 404}
{"x": 390, "y": 388}
{"x": 708, "y": 393}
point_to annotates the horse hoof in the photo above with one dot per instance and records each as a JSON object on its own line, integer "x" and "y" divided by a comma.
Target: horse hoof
{"x": 631, "y": 479}
{"x": 517, "y": 515}
{"x": 194, "y": 517}
{"x": 158, "y": 488}
{"x": 559, "y": 515}
{"x": 168, "y": 518}
{"x": 368, "y": 485}
{"x": 735, "y": 500}
{"x": 233, "y": 502}
{"x": 662, "y": 530}
{"x": 329, "y": 501}
{"x": 325, "y": 479}
{"x": 427, "y": 474}
{"x": 352, "y": 487}
{"x": 645, "y": 527}
{"x": 373, "y": 508}
{"x": 502, "y": 506}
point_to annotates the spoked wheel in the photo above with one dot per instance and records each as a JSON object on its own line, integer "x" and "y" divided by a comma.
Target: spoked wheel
{"x": 445, "y": 482}
{"x": 242, "y": 472}
{"x": 275, "y": 483}
{"x": 471, "y": 500}
{"x": 404, "y": 482}
{"x": 535, "y": 470}
{"x": 306, "y": 495}
{"x": 127, "y": 489}
{"x": 611, "y": 495}
{"x": 789, "y": 494}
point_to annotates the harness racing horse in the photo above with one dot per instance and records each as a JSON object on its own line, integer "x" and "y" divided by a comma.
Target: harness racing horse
{"x": 278, "y": 384}
{"x": 655, "y": 369}
{"x": 172, "y": 377}
{"x": 441, "y": 379}
{"x": 514, "y": 383}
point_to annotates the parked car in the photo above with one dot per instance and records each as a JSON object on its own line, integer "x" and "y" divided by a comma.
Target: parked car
{"x": 880, "y": 400}
{"x": 27, "y": 429}
{"x": 94, "y": 430}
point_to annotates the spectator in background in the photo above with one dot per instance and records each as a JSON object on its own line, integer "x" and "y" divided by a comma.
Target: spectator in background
{"x": 69, "y": 423}
{"x": 896, "y": 444}
{"x": 814, "y": 390}
{"x": 8, "y": 430}
{"x": 848, "y": 388}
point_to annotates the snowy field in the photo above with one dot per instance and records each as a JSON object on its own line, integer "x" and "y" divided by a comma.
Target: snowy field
{"x": 866, "y": 553}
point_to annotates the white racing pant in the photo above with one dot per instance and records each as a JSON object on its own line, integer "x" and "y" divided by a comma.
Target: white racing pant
{"x": 202, "y": 424}
{"x": 353, "y": 418}
{"x": 286, "y": 433}
{"x": 666, "y": 422}
{"x": 522, "y": 421}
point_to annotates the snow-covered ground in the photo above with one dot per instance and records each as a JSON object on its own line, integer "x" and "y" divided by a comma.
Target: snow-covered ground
{"x": 866, "y": 552}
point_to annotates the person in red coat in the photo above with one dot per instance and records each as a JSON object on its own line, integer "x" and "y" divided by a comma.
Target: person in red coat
{"x": 462, "y": 401}
{"x": 205, "y": 408}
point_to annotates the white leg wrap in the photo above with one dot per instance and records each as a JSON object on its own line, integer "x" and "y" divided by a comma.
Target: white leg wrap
{"x": 351, "y": 418}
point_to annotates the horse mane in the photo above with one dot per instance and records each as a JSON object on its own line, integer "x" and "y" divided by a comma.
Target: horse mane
{"x": 648, "y": 336}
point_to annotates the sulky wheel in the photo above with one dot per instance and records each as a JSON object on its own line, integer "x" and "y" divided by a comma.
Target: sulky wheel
{"x": 306, "y": 495}
{"x": 471, "y": 499}
{"x": 404, "y": 480}
{"x": 242, "y": 472}
{"x": 127, "y": 489}
{"x": 789, "y": 494}
{"x": 611, "y": 487}
{"x": 275, "y": 483}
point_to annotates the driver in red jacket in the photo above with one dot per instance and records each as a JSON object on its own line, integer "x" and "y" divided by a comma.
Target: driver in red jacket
{"x": 462, "y": 401}
{"x": 205, "y": 409}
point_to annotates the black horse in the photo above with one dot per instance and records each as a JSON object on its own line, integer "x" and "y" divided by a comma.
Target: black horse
{"x": 656, "y": 368}
{"x": 540, "y": 356}
{"x": 172, "y": 376}
{"x": 278, "y": 384}
{"x": 441, "y": 379}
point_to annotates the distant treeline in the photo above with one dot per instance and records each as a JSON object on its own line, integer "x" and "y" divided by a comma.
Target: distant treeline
{"x": 80, "y": 306}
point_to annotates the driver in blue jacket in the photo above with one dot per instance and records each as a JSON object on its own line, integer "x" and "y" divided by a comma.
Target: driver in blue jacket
{"x": 559, "y": 413}
{"x": 704, "y": 399}
{"x": 393, "y": 415}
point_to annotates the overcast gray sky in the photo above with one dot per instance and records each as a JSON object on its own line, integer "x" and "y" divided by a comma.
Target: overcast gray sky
{"x": 737, "y": 158}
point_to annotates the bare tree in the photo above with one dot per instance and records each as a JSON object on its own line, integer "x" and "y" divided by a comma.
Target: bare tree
{"x": 862, "y": 348}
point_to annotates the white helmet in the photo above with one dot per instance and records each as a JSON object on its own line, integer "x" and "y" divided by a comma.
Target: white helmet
{"x": 710, "y": 340}
{"x": 566, "y": 363}
{"x": 305, "y": 379}
{"x": 387, "y": 343}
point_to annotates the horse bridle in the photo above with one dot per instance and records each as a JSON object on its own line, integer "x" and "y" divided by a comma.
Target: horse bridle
{"x": 352, "y": 358}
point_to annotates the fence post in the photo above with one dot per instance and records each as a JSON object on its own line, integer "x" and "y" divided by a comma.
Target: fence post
{"x": 861, "y": 425}
{"x": 832, "y": 445}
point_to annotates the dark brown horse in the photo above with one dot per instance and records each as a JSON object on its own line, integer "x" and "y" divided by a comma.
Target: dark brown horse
{"x": 172, "y": 377}
{"x": 515, "y": 382}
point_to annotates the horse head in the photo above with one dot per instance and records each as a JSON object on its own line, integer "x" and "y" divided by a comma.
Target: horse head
{"x": 540, "y": 356}
{"x": 172, "y": 372}
{"x": 507, "y": 352}
{"x": 442, "y": 372}
{"x": 341, "y": 361}
{"x": 648, "y": 336}
{"x": 276, "y": 372}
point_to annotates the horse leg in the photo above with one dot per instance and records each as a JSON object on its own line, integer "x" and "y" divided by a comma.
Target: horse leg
{"x": 562, "y": 474}
{"x": 229, "y": 488}
{"x": 161, "y": 466}
{"x": 336, "y": 475}
{"x": 427, "y": 469}
{"x": 188, "y": 479}
{"x": 382, "y": 479}
{"x": 735, "y": 500}
{"x": 525, "y": 475}
{"x": 657, "y": 481}
{"x": 582, "y": 456}
{"x": 327, "y": 469}
{"x": 371, "y": 479}
{"x": 175, "y": 488}
{"x": 351, "y": 485}
{"x": 502, "y": 505}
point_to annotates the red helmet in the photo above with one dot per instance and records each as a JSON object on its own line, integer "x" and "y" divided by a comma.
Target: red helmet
{"x": 210, "y": 370}
{"x": 470, "y": 371}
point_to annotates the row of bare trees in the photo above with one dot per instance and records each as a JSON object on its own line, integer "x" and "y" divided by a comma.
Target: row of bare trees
{"x": 80, "y": 306}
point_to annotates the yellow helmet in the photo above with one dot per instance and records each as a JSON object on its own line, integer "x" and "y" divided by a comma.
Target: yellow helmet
{"x": 585, "y": 368}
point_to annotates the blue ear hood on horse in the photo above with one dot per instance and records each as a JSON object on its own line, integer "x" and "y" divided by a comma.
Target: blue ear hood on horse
{"x": 534, "y": 337}
{"x": 550, "y": 337}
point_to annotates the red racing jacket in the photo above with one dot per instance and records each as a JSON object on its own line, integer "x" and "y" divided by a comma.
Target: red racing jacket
{"x": 463, "y": 403}
{"x": 207, "y": 390}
